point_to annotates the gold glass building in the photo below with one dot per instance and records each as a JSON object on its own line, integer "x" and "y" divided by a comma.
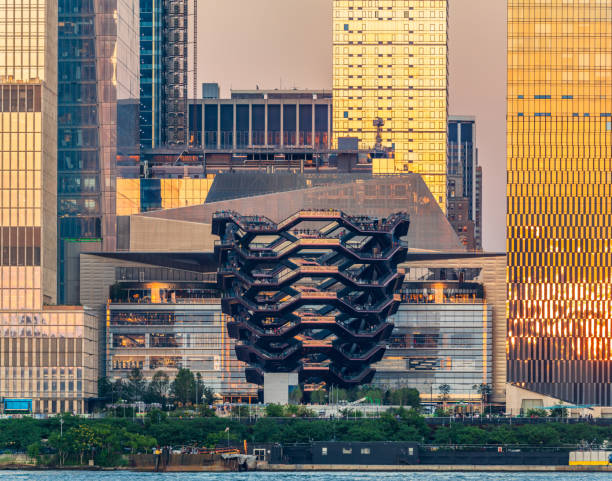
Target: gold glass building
{"x": 46, "y": 353}
{"x": 390, "y": 81}
{"x": 560, "y": 198}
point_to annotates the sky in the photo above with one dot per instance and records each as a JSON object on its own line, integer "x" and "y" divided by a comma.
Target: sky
{"x": 287, "y": 43}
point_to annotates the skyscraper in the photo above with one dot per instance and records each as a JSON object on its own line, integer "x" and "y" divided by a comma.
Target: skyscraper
{"x": 28, "y": 76}
{"x": 559, "y": 198}
{"x": 97, "y": 64}
{"x": 464, "y": 181}
{"x": 163, "y": 72}
{"x": 46, "y": 353}
{"x": 390, "y": 83}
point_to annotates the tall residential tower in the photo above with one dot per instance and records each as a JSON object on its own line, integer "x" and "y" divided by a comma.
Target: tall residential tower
{"x": 390, "y": 83}
{"x": 560, "y": 198}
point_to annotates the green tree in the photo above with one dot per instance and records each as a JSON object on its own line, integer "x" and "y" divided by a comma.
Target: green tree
{"x": 539, "y": 434}
{"x": 33, "y": 450}
{"x": 536, "y": 413}
{"x": 158, "y": 389}
{"x": 183, "y": 386}
{"x": 295, "y": 410}
{"x": 62, "y": 446}
{"x": 275, "y": 411}
{"x": 105, "y": 388}
{"x": 318, "y": 397}
{"x": 18, "y": 434}
{"x": 372, "y": 394}
{"x": 484, "y": 391}
{"x": 138, "y": 443}
{"x": 155, "y": 416}
{"x": 406, "y": 397}
{"x": 559, "y": 411}
{"x": 296, "y": 395}
{"x": 445, "y": 390}
{"x": 204, "y": 393}
{"x": 136, "y": 384}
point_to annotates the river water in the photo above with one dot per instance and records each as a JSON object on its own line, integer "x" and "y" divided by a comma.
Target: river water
{"x": 311, "y": 476}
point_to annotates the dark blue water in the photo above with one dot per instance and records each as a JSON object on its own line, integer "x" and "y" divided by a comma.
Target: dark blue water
{"x": 263, "y": 476}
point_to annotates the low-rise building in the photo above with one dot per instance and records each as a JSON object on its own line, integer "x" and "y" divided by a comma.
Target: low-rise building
{"x": 48, "y": 360}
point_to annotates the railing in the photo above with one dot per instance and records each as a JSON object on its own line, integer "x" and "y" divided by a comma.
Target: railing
{"x": 147, "y": 300}
{"x": 362, "y": 223}
{"x": 272, "y": 355}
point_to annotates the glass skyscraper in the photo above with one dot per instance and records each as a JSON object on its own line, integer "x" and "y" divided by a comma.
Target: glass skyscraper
{"x": 163, "y": 72}
{"x": 28, "y": 85}
{"x": 390, "y": 83}
{"x": 97, "y": 64}
{"x": 46, "y": 352}
{"x": 151, "y": 86}
{"x": 560, "y": 198}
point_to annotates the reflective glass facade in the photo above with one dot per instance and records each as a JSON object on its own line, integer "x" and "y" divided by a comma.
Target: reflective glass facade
{"x": 46, "y": 353}
{"x": 142, "y": 195}
{"x": 163, "y": 72}
{"x": 28, "y": 163}
{"x": 168, "y": 336}
{"x": 435, "y": 342}
{"x": 262, "y": 119}
{"x": 50, "y": 357}
{"x": 390, "y": 82}
{"x": 97, "y": 64}
{"x": 559, "y": 198}
{"x": 151, "y": 86}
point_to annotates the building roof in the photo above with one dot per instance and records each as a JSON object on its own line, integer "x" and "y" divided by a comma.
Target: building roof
{"x": 280, "y": 195}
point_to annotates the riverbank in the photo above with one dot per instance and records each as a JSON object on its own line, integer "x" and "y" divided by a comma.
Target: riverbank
{"x": 264, "y": 467}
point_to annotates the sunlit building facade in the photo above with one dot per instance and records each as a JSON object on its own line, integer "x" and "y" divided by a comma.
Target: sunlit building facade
{"x": 46, "y": 353}
{"x": 390, "y": 83}
{"x": 559, "y": 198}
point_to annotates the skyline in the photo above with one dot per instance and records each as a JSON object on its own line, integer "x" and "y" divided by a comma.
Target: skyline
{"x": 476, "y": 87}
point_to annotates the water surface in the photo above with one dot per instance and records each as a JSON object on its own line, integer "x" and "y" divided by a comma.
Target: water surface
{"x": 302, "y": 476}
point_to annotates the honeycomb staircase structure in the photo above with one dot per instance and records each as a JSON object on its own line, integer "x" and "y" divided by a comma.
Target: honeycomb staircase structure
{"x": 311, "y": 294}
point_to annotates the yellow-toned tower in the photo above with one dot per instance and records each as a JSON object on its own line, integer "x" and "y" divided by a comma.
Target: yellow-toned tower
{"x": 390, "y": 79}
{"x": 28, "y": 146}
{"x": 560, "y": 198}
{"x": 47, "y": 353}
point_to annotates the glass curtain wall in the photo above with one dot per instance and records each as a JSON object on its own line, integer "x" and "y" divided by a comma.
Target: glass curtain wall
{"x": 559, "y": 198}
{"x": 390, "y": 83}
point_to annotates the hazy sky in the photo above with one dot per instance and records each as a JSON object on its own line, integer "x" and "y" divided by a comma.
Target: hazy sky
{"x": 287, "y": 43}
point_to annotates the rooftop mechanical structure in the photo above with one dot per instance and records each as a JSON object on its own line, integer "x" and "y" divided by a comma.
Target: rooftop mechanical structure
{"x": 310, "y": 295}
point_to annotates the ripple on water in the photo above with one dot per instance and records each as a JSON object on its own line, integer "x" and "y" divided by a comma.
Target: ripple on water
{"x": 305, "y": 476}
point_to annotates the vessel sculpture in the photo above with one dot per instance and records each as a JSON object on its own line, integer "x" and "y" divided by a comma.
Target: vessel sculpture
{"x": 311, "y": 294}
